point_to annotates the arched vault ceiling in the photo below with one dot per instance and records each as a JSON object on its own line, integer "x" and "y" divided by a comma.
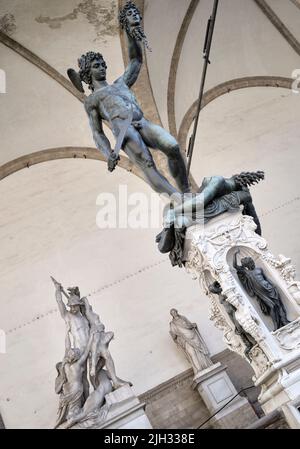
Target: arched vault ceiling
{"x": 51, "y": 154}
{"x": 65, "y": 31}
{"x": 254, "y": 129}
{"x": 52, "y": 35}
{"x": 246, "y": 43}
{"x": 36, "y": 112}
{"x": 60, "y": 31}
{"x": 288, "y": 12}
{"x": 163, "y": 20}
{"x": 223, "y": 89}
{"x": 71, "y": 27}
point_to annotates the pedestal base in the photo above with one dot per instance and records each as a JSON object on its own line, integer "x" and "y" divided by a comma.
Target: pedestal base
{"x": 291, "y": 412}
{"x": 211, "y": 254}
{"x": 125, "y": 411}
{"x": 217, "y": 390}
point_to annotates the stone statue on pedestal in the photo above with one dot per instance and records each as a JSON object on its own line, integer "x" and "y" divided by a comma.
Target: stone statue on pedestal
{"x": 76, "y": 323}
{"x": 247, "y": 339}
{"x": 186, "y": 335}
{"x": 86, "y": 343}
{"x": 116, "y": 104}
{"x": 258, "y": 286}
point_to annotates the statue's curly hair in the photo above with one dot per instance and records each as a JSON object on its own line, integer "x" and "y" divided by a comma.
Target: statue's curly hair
{"x": 247, "y": 179}
{"x": 85, "y": 63}
{"x": 122, "y": 15}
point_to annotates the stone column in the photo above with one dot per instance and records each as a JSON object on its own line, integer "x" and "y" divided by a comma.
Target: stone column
{"x": 275, "y": 358}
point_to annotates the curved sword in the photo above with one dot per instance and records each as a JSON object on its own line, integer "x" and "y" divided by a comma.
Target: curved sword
{"x": 113, "y": 162}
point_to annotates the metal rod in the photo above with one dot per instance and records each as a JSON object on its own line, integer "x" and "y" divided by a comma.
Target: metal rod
{"x": 206, "y": 53}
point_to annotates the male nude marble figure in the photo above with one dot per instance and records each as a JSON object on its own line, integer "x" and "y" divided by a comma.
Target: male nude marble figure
{"x": 75, "y": 320}
{"x": 116, "y": 104}
{"x": 77, "y": 324}
{"x": 81, "y": 321}
{"x": 100, "y": 355}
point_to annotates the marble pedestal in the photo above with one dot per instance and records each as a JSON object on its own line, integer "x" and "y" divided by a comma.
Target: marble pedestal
{"x": 217, "y": 390}
{"x": 122, "y": 410}
{"x": 126, "y": 411}
{"x": 275, "y": 358}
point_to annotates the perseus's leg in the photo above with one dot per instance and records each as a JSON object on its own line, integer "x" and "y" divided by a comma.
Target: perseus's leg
{"x": 158, "y": 138}
{"x": 140, "y": 155}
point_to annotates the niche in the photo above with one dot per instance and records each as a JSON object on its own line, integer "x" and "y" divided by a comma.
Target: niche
{"x": 271, "y": 275}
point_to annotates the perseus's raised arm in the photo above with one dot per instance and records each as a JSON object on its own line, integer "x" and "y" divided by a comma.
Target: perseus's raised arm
{"x": 135, "y": 53}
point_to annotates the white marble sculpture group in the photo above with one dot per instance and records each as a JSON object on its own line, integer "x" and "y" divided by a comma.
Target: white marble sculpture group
{"x": 86, "y": 355}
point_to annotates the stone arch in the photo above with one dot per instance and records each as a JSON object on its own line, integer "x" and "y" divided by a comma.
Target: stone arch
{"x": 225, "y": 88}
{"x": 61, "y": 153}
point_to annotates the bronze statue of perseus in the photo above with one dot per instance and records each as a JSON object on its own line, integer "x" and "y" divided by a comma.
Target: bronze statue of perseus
{"x": 116, "y": 104}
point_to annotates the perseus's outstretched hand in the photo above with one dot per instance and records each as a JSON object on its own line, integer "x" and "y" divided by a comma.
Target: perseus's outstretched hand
{"x": 112, "y": 161}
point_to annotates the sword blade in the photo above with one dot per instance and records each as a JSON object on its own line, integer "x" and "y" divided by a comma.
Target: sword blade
{"x": 123, "y": 131}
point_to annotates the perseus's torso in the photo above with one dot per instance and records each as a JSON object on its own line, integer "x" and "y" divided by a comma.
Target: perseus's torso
{"x": 79, "y": 329}
{"x": 116, "y": 101}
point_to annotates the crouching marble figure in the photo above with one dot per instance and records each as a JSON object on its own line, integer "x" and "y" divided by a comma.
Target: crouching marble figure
{"x": 86, "y": 350}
